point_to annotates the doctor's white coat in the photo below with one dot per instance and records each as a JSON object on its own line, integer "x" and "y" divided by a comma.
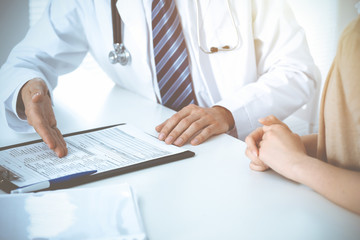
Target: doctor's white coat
{"x": 270, "y": 72}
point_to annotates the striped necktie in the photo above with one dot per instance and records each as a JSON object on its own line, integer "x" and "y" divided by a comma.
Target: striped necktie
{"x": 171, "y": 57}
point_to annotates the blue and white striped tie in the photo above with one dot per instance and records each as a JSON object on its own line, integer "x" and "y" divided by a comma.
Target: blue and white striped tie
{"x": 171, "y": 57}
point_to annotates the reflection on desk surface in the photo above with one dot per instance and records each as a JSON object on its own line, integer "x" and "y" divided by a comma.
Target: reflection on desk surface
{"x": 94, "y": 213}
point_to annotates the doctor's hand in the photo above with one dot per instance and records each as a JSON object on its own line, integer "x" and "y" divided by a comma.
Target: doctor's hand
{"x": 40, "y": 115}
{"x": 253, "y": 140}
{"x": 196, "y": 123}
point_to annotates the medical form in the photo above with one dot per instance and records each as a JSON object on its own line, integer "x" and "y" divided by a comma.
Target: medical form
{"x": 123, "y": 147}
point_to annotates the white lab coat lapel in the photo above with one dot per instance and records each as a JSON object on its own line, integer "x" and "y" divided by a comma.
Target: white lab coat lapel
{"x": 136, "y": 40}
{"x": 133, "y": 16}
{"x": 229, "y": 68}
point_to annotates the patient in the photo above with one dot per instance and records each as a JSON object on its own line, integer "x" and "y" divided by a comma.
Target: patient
{"x": 328, "y": 162}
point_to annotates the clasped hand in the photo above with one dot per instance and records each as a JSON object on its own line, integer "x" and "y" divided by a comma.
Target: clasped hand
{"x": 274, "y": 146}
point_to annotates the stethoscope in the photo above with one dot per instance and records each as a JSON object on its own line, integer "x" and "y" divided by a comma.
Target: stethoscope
{"x": 121, "y": 55}
{"x": 225, "y": 48}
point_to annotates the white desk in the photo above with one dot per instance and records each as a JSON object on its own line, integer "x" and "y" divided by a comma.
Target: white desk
{"x": 213, "y": 195}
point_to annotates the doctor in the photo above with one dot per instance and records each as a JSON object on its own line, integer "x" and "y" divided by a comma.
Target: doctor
{"x": 262, "y": 64}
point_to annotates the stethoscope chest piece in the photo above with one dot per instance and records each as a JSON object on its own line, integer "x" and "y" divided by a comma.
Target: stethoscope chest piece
{"x": 119, "y": 54}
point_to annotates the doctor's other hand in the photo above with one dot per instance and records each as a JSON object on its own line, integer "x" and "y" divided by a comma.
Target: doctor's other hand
{"x": 196, "y": 123}
{"x": 253, "y": 140}
{"x": 40, "y": 115}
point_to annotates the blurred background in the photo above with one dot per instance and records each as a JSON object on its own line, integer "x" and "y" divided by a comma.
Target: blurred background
{"x": 322, "y": 20}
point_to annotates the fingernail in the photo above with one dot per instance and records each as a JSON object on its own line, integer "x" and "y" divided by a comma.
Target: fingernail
{"x": 169, "y": 139}
{"x": 262, "y": 119}
{"x": 255, "y": 153}
{"x": 195, "y": 141}
{"x": 178, "y": 141}
{"x": 35, "y": 94}
{"x": 161, "y": 136}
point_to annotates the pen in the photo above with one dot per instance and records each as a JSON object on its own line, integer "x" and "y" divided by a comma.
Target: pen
{"x": 51, "y": 183}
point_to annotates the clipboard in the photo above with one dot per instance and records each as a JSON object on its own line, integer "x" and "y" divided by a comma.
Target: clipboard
{"x": 10, "y": 176}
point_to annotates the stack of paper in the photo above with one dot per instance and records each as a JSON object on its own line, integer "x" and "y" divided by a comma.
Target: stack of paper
{"x": 109, "y": 212}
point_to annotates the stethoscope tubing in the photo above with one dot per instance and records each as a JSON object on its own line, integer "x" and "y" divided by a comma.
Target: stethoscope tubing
{"x": 116, "y": 23}
{"x": 225, "y": 48}
{"x": 120, "y": 54}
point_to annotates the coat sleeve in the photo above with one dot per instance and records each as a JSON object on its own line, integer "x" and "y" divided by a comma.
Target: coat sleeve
{"x": 286, "y": 74}
{"x": 55, "y": 45}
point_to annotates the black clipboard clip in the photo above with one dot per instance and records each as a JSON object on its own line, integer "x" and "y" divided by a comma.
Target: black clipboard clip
{"x": 6, "y": 175}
